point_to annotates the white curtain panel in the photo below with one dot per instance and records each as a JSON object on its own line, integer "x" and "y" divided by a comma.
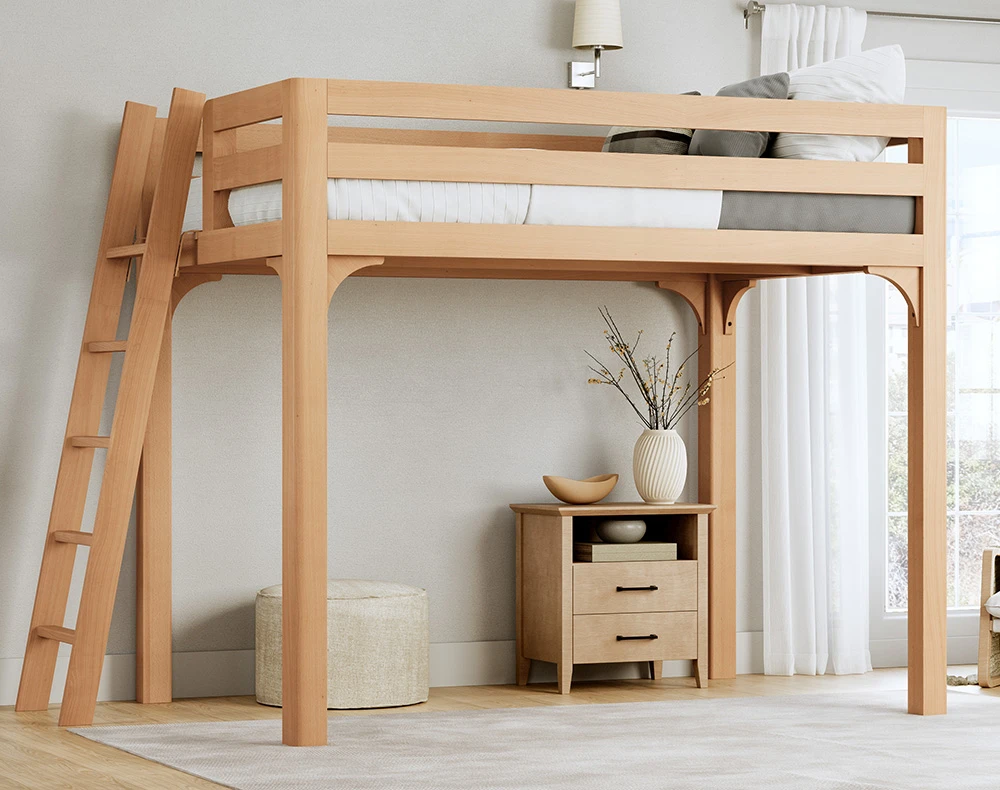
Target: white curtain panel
{"x": 814, "y": 421}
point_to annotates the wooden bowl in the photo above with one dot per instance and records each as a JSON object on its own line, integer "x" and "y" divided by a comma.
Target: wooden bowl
{"x": 580, "y": 492}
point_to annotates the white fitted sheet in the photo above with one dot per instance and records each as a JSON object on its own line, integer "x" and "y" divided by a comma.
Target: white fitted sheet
{"x": 510, "y": 204}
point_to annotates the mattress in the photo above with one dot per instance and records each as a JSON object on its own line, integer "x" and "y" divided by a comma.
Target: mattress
{"x": 516, "y": 204}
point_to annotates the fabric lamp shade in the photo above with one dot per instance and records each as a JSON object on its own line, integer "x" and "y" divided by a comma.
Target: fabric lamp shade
{"x": 597, "y": 23}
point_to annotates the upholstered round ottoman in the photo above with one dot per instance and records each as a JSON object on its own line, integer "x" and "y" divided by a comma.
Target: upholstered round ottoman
{"x": 377, "y": 644}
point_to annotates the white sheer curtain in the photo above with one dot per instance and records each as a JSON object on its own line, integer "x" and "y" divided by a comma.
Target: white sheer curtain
{"x": 814, "y": 428}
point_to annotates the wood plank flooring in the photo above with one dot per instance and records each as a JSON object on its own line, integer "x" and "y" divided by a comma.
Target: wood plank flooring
{"x": 35, "y": 753}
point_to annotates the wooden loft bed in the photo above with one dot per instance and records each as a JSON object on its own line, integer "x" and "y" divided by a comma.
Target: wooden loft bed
{"x": 710, "y": 269}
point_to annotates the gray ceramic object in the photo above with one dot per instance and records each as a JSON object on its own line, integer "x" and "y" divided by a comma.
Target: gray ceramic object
{"x": 621, "y": 530}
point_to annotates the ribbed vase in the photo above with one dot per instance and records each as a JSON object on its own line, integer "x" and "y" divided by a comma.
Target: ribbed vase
{"x": 659, "y": 466}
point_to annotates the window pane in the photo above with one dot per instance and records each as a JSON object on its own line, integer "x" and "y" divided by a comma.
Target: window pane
{"x": 896, "y": 561}
{"x": 897, "y": 463}
{"x": 972, "y": 372}
{"x": 896, "y": 313}
{"x": 976, "y": 534}
{"x": 895, "y": 581}
{"x": 978, "y": 452}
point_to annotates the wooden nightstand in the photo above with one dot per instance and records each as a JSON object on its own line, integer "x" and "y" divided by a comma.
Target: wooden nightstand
{"x": 601, "y": 612}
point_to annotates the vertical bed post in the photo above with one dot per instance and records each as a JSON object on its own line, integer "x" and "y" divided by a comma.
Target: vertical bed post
{"x": 153, "y": 613}
{"x": 153, "y": 519}
{"x": 304, "y": 283}
{"x": 927, "y": 549}
{"x": 717, "y": 480}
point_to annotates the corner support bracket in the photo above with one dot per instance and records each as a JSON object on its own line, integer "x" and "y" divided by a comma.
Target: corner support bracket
{"x": 732, "y": 292}
{"x": 185, "y": 282}
{"x": 339, "y": 268}
{"x": 907, "y": 282}
{"x": 693, "y": 290}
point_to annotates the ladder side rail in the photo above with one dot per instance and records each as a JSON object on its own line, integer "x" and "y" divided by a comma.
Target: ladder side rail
{"x": 86, "y": 404}
{"x": 152, "y": 303}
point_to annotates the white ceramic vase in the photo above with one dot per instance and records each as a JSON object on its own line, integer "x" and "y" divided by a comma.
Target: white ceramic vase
{"x": 659, "y": 466}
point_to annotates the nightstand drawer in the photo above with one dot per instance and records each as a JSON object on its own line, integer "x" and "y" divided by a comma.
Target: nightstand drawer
{"x": 630, "y": 637}
{"x": 597, "y": 587}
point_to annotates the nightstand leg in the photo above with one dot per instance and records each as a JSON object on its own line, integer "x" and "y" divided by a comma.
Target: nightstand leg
{"x": 523, "y": 668}
{"x": 565, "y": 672}
{"x": 655, "y": 670}
{"x": 701, "y": 673}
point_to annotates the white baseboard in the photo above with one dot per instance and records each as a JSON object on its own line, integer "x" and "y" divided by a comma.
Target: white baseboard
{"x": 206, "y": 674}
{"x": 231, "y": 672}
{"x": 892, "y": 652}
{"x": 749, "y": 652}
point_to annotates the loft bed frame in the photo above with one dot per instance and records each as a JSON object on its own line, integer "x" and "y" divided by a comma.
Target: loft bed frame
{"x": 710, "y": 269}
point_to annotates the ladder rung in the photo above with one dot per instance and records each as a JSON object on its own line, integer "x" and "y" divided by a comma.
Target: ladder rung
{"x": 106, "y": 346}
{"x": 127, "y": 251}
{"x": 91, "y": 441}
{"x": 57, "y": 632}
{"x": 76, "y": 536}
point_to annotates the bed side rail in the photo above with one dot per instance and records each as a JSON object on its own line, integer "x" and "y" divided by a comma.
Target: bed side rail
{"x": 240, "y": 151}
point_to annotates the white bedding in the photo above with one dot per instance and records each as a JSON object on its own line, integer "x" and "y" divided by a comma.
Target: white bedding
{"x": 510, "y": 204}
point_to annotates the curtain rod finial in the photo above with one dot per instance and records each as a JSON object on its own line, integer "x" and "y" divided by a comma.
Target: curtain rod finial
{"x": 752, "y": 8}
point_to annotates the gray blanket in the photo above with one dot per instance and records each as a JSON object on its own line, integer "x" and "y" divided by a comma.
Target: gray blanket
{"x": 829, "y": 213}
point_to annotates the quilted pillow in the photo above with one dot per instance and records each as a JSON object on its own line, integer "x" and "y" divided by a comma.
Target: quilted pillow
{"x": 876, "y": 76}
{"x": 632, "y": 140}
{"x": 636, "y": 140}
{"x": 721, "y": 142}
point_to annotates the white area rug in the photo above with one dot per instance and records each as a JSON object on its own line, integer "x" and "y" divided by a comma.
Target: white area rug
{"x": 819, "y": 742}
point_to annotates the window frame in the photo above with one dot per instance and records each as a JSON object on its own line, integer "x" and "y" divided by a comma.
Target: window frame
{"x": 968, "y": 90}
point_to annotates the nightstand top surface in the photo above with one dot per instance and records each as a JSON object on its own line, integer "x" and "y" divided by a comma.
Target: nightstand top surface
{"x": 613, "y": 509}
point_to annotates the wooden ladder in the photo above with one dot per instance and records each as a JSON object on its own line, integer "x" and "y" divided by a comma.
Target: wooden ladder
{"x": 148, "y": 154}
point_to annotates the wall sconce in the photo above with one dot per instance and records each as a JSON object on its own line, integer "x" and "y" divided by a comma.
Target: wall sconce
{"x": 597, "y": 25}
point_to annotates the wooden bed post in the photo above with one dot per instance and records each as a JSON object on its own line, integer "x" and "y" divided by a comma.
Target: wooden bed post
{"x": 927, "y": 550}
{"x": 717, "y": 472}
{"x": 153, "y": 649}
{"x": 304, "y": 281}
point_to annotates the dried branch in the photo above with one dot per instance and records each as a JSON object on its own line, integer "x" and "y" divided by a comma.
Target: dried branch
{"x": 665, "y": 399}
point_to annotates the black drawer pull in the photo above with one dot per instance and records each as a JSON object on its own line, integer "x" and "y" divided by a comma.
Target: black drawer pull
{"x": 651, "y": 588}
{"x": 631, "y": 638}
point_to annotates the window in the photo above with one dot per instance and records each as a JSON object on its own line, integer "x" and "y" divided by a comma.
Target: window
{"x": 972, "y": 374}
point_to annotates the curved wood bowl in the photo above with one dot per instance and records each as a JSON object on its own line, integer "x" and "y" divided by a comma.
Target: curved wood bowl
{"x": 580, "y": 492}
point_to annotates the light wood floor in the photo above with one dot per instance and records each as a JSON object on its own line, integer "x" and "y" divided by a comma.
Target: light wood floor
{"x": 36, "y": 753}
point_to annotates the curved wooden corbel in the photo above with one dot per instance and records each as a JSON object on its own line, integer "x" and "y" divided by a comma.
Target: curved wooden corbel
{"x": 907, "y": 282}
{"x": 732, "y": 292}
{"x": 186, "y": 282}
{"x": 693, "y": 292}
{"x": 339, "y": 268}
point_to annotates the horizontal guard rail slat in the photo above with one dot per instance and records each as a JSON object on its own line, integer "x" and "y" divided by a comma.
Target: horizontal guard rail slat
{"x": 261, "y": 135}
{"x": 622, "y": 170}
{"x": 431, "y": 240}
{"x": 599, "y": 108}
{"x": 433, "y": 163}
{"x": 246, "y": 107}
{"x": 257, "y": 166}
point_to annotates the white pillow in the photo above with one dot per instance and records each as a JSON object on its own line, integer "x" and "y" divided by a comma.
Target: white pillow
{"x": 993, "y": 604}
{"x": 875, "y": 76}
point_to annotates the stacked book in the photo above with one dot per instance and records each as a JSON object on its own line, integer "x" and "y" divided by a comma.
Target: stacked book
{"x": 643, "y": 551}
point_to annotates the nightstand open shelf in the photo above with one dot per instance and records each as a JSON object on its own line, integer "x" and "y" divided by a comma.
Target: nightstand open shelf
{"x": 602, "y": 612}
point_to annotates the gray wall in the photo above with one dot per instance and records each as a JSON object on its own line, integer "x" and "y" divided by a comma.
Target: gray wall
{"x": 448, "y": 399}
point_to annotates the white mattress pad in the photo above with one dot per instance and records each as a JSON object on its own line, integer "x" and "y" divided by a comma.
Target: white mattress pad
{"x": 509, "y": 204}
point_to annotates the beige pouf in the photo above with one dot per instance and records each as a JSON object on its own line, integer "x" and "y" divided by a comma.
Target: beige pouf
{"x": 377, "y": 644}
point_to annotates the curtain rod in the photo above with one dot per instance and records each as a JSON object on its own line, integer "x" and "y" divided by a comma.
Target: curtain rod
{"x": 753, "y": 8}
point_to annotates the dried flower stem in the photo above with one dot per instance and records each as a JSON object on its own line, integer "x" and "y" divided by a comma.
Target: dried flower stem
{"x": 666, "y": 400}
